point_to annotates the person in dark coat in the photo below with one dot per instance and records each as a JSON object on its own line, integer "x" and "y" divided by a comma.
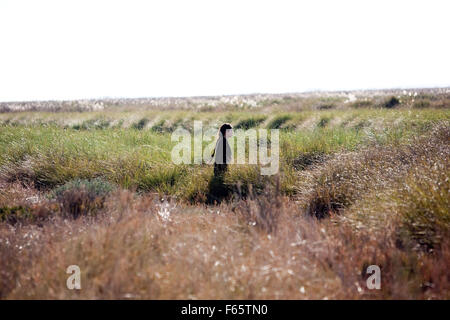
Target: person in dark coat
{"x": 222, "y": 151}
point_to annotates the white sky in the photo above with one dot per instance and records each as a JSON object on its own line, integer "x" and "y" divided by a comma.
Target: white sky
{"x": 87, "y": 49}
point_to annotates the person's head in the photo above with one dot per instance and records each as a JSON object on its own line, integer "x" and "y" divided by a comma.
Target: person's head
{"x": 226, "y": 130}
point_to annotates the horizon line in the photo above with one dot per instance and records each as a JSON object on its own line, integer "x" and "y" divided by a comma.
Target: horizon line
{"x": 308, "y": 91}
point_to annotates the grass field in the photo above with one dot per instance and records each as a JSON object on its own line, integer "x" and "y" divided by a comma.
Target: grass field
{"x": 364, "y": 180}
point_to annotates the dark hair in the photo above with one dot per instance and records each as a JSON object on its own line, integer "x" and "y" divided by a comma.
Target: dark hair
{"x": 222, "y": 131}
{"x": 224, "y": 128}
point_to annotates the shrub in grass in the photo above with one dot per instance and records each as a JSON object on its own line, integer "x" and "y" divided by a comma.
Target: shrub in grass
{"x": 15, "y": 214}
{"x": 81, "y": 197}
{"x": 279, "y": 121}
{"x": 195, "y": 189}
{"x": 159, "y": 126}
{"x": 413, "y": 209}
{"x": 118, "y": 124}
{"x": 391, "y": 102}
{"x": 243, "y": 178}
{"x": 161, "y": 179}
{"x": 173, "y": 125}
{"x": 78, "y": 126}
{"x": 348, "y": 177}
{"x": 249, "y": 123}
{"x": 92, "y": 124}
{"x": 422, "y": 103}
{"x": 362, "y": 124}
{"x": 423, "y": 202}
{"x": 307, "y": 159}
{"x": 326, "y": 106}
{"x": 343, "y": 179}
{"x": 96, "y": 186}
{"x": 323, "y": 122}
{"x": 140, "y": 124}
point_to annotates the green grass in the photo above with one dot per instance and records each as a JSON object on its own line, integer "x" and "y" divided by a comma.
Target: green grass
{"x": 50, "y": 154}
{"x": 279, "y": 121}
{"x": 249, "y": 123}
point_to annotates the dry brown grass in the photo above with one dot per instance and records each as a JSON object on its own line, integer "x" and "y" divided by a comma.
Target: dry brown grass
{"x": 140, "y": 247}
{"x": 382, "y": 204}
{"x": 335, "y": 185}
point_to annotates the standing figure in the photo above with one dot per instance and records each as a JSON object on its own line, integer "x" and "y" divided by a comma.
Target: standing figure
{"x": 222, "y": 151}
